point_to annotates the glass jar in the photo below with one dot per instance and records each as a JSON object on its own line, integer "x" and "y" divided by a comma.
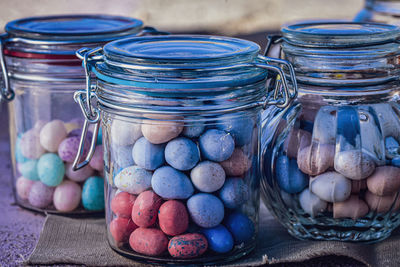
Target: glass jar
{"x": 382, "y": 11}
{"x": 41, "y": 73}
{"x": 331, "y": 161}
{"x": 180, "y": 118}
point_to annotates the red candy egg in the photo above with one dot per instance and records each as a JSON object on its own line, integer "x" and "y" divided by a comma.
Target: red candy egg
{"x": 173, "y": 218}
{"x": 187, "y": 246}
{"x": 122, "y": 204}
{"x": 145, "y": 209}
{"x": 148, "y": 241}
{"x": 121, "y": 228}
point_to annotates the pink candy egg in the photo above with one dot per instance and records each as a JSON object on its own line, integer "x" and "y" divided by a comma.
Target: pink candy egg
{"x": 173, "y": 218}
{"x": 40, "y": 195}
{"x": 30, "y": 145}
{"x": 80, "y": 175}
{"x": 122, "y": 204}
{"x": 145, "y": 209}
{"x": 121, "y": 229}
{"x": 23, "y": 187}
{"x": 187, "y": 246}
{"x": 148, "y": 241}
{"x": 97, "y": 162}
{"x": 237, "y": 164}
{"x": 67, "y": 196}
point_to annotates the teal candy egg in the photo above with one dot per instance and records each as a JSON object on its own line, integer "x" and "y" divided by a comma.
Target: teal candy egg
{"x": 99, "y": 140}
{"x": 93, "y": 194}
{"x": 29, "y": 169}
{"x": 51, "y": 169}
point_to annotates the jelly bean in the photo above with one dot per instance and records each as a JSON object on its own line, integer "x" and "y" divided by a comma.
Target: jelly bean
{"x": 79, "y": 175}
{"x": 293, "y": 141}
{"x": 289, "y": 177}
{"x": 241, "y": 129}
{"x": 122, "y": 156}
{"x": 145, "y": 208}
{"x": 122, "y": 204}
{"x": 206, "y": 210}
{"x": 69, "y": 147}
{"x": 29, "y": 169}
{"x": 324, "y": 130}
{"x": 384, "y": 181}
{"x": 173, "y": 218}
{"x": 23, "y": 187}
{"x": 354, "y": 164}
{"x": 161, "y": 131}
{"x": 331, "y": 187}
{"x": 311, "y": 203}
{"x": 148, "y": 241}
{"x": 30, "y": 145}
{"x": 97, "y": 162}
{"x": 208, "y": 176}
{"x": 93, "y": 194}
{"x": 40, "y": 195}
{"x": 316, "y": 158}
{"x": 124, "y": 133}
{"x": 238, "y": 164}
{"x": 193, "y": 131}
{"x": 219, "y": 239}
{"x": 187, "y": 246}
{"x": 148, "y": 155}
{"x": 52, "y": 134}
{"x": 382, "y": 204}
{"x": 51, "y": 169}
{"x": 353, "y": 207}
{"x": 171, "y": 184}
{"x": 240, "y": 226}
{"x": 133, "y": 180}
{"x": 216, "y": 145}
{"x": 234, "y": 193}
{"x": 18, "y": 154}
{"x": 182, "y": 153}
{"x": 67, "y": 196}
{"x": 121, "y": 228}
{"x": 358, "y": 185}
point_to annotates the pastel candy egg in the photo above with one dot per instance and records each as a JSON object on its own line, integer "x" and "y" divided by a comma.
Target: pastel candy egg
{"x": 122, "y": 155}
{"x": 145, "y": 208}
{"x": 311, "y": 203}
{"x": 67, "y": 196}
{"x": 194, "y": 130}
{"x": 237, "y": 164}
{"x": 384, "y": 181}
{"x": 51, "y": 169}
{"x": 289, "y": 177}
{"x": 358, "y": 185}
{"x": 133, "y": 180}
{"x": 39, "y": 125}
{"x": 206, "y": 210}
{"x": 371, "y": 141}
{"x": 331, "y": 187}
{"x": 29, "y": 169}
{"x": 122, "y": 204}
{"x": 148, "y": 155}
{"x": 353, "y": 207}
{"x": 216, "y": 145}
{"x": 93, "y": 194}
{"x": 187, "y": 246}
{"x": 52, "y": 134}
{"x": 208, "y": 176}
{"x": 121, "y": 228}
{"x": 219, "y": 239}
{"x": 18, "y": 154}
{"x": 293, "y": 141}
{"x": 234, "y": 193}
{"x": 182, "y": 153}
{"x": 382, "y": 204}
{"x": 78, "y": 132}
{"x": 79, "y": 175}
{"x": 148, "y": 241}
{"x": 354, "y": 164}
{"x": 158, "y": 131}
{"x": 240, "y": 226}
{"x": 40, "y": 195}
{"x": 388, "y": 119}
{"x": 171, "y": 184}
{"x": 324, "y": 130}
{"x": 124, "y": 133}
{"x": 316, "y": 158}
{"x": 173, "y": 218}
{"x": 97, "y": 161}
{"x": 23, "y": 187}
{"x": 70, "y": 126}
{"x": 69, "y": 147}
{"x": 241, "y": 129}
{"x": 30, "y": 145}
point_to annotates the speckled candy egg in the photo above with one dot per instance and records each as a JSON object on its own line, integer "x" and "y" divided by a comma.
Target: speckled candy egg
{"x": 240, "y": 128}
{"x": 122, "y": 204}
{"x": 29, "y": 169}
{"x": 67, "y": 196}
{"x": 311, "y": 203}
{"x": 40, "y": 195}
{"x": 187, "y": 246}
{"x": 315, "y": 158}
{"x": 148, "y": 155}
{"x": 145, "y": 208}
{"x": 219, "y": 239}
{"x": 171, "y": 184}
{"x": 69, "y": 147}
{"x": 331, "y": 187}
{"x": 122, "y": 156}
{"x": 206, "y": 210}
{"x": 124, "y": 133}
{"x": 51, "y": 169}
{"x": 173, "y": 218}
{"x": 97, "y": 162}
{"x": 324, "y": 130}
{"x": 133, "y": 180}
{"x": 296, "y": 139}
{"x": 121, "y": 228}
{"x": 208, "y": 176}
{"x": 182, "y": 153}
{"x": 382, "y": 204}
{"x": 52, "y": 134}
{"x": 290, "y": 179}
{"x": 79, "y": 175}
{"x": 384, "y": 181}
{"x": 216, "y": 145}
{"x": 23, "y": 187}
{"x": 237, "y": 164}
{"x": 30, "y": 145}
{"x": 240, "y": 226}
{"x": 158, "y": 132}
{"x": 93, "y": 194}
{"x": 354, "y": 164}
{"x": 234, "y": 193}
{"x": 148, "y": 241}
{"x": 353, "y": 207}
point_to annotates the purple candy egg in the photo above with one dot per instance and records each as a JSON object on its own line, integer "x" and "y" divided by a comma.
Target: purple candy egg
{"x": 97, "y": 162}
{"x": 41, "y": 195}
{"x": 78, "y": 132}
{"x": 69, "y": 147}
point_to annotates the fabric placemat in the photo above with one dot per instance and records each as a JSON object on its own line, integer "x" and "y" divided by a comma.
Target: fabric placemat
{"x": 83, "y": 241}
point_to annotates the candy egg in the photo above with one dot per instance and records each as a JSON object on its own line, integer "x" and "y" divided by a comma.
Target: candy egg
{"x": 40, "y": 195}
{"x": 97, "y": 161}
{"x": 311, "y": 203}
{"x": 30, "y": 145}
{"x": 69, "y": 147}
{"x": 39, "y": 125}
{"x": 240, "y": 226}
{"x": 79, "y": 175}
{"x": 121, "y": 228}
{"x": 384, "y": 181}
{"x": 29, "y": 169}
{"x": 23, "y": 187}
{"x": 70, "y": 126}
{"x": 122, "y": 204}
{"x": 371, "y": 141}
{"x": 358, "y": 185}
{"x": 206, "y": 210}
{"x": 208, "y": 176}
{"x": 133, "y": 180}
{"x": 237, "y": 164}
{"x": 354, "y": 164}
{"x": 78, "y": 132}
{"x": 187, "y": 246}
{"x": 122, "y": 156}
{"x": 148, "y": 155}
{"x": 145, "y": 208}
{"x": 171, "y": 184}
{"x": 148, "y": 241}
{"x": 18, "y": 154}
{"x": 241, "y": 129}
{"x": 353, "y": 207}
{"x": 234, "y": 193}
{"x": 124, "y": 133}
{"x": 158, "y": 132}
{"x": 382, "y": 204}
{"x": 331, "y": 187}
{"x": 219, "y": 239}
{"x": 51, "y": 169}
{"x": 93, "y": 194}
{"x": 173, "y": 218}
{"x": 67, "y": 196}
{"x": 216, "y": 145}
{"x": 293, "y": 141}
{"x": 391, "y": 145}
{"x": 194, "y": 130}
{"x": 182, "y": 153}
{"x": 289, "y": 177}
{"x": 388, "y": 119}
{"x": 324, "y": 130}
{"x": 52, "y": 134}
{"x": 316, "y": 158}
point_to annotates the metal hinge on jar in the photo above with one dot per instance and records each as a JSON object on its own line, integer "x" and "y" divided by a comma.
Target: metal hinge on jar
{"x": 7, "y": 93}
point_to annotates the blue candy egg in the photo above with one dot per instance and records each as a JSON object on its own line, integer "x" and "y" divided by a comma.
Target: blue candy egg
{"x": 234, "y": 193}
{"x": 289, "y": 177}
{"x": 147, "y": 155}
{"x": 29, "y": 169}
{"x": 99, "y": 140}
{"x": 219, "y": 239}
{"x": 240, "y": 226}
{"x": 93, "y": 194}
{"x": 51, "y": 169}
{"x": 206, "y": 210}
{"x": 240, "y": 128}
{"x": 193, "y": 131}
{"x": 171, "y": 184}
{"x": 216, "y": 145}
{"x": 182, "y": 153}
{"x": 396, "y": 162}
{"x": 18, "y": 154}
{"x": 122, "y": 156}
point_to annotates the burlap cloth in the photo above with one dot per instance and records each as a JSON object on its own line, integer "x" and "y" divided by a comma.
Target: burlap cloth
{"x": 83, "y": 241}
